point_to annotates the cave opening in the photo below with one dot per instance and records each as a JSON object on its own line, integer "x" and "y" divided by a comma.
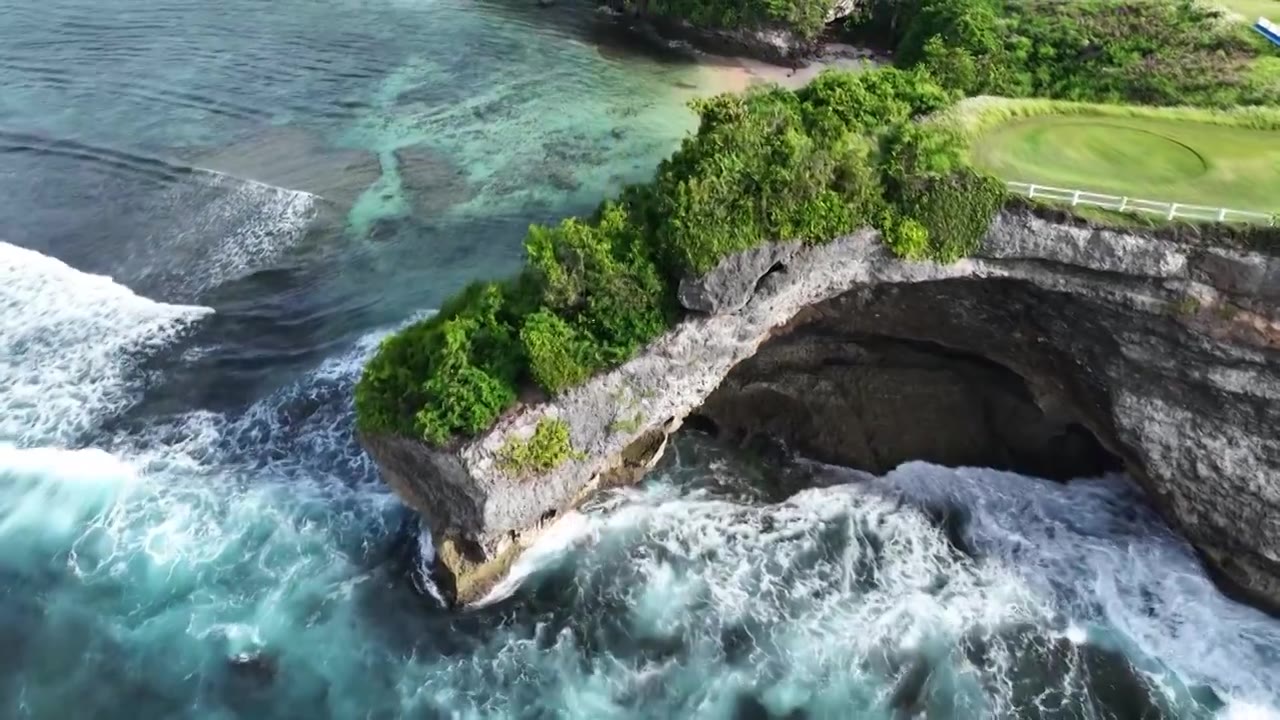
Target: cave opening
{"x": 872, "y": 402}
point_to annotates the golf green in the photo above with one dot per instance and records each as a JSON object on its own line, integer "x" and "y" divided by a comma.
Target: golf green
{"x": 1155, "y": 159}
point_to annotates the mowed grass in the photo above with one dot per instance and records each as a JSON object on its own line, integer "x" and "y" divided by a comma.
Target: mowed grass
{"x": 1154, "y": 158}
{"x": 1251, "y": 10}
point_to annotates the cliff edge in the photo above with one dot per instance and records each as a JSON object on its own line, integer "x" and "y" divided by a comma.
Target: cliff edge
{"x": 1059, "y": 348}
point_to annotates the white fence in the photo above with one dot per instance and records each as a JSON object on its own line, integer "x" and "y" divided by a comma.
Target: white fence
{"x": 1127, "y": 204}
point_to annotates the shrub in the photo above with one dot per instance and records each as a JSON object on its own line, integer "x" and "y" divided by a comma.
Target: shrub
{"x": 931, "y": 183}
{"x": 560, "y": 356}
{"x": 778, "y": 165}
{"x": 546, "y": 450}
{"x": 906, "y": 237}
{"x": 601, "y": 276}
{"x": 956, "y": 210}
{"x": 450, "y": 374}
{"x": 1168, "y": 52}
{"x": 768, "y": 165}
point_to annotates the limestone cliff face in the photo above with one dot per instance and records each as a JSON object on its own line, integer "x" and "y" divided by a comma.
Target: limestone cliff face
{"x": 1060, "y": 349}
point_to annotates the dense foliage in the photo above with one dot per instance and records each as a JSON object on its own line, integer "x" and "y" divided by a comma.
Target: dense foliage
{"x": 1158, "y": 52}
{"x": 844, "y": 152}
{"x": 941, "y": 207}
{"x": 771, "y": 164}
{"x": 805, "y": 17}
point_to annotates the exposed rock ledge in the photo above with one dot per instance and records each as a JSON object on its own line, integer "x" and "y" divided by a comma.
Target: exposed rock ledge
{"x": 777, "y": 44}
{"x": 1168, "y": 354}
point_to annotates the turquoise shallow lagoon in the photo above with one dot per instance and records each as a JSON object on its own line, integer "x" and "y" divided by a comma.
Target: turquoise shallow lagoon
{"x": 211, "y": 212}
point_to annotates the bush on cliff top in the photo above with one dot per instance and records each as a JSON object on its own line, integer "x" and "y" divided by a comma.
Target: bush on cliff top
{"x": 767, "y": 165}
{"x": 1155, "y": 52}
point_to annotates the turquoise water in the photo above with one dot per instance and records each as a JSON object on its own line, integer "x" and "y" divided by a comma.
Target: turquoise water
{"x": 210, "y": 213}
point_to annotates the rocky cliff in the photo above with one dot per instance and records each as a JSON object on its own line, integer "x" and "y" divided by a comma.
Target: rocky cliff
{"x": 1060, "y": 349}
{"x": 773, "y": 42}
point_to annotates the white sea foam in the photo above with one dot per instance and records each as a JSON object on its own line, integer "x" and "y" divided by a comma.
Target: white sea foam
{"x": 211, "y": 228}
{"x": 241, "y": 535}
{"x": 1106, "y": 560}
{"x": 52, "y": 494}
{"x": 67, "y": 344}
{"x": 836, "y": 588}
{"x": 247, "y": 226}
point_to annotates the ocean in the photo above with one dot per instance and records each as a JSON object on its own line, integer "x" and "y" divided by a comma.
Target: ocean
{"x": 211, "y": 213}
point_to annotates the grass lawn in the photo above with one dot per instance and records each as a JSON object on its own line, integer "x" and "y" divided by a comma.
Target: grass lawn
{"x": 1253, "y": 9}
{"x": 1171, "y": 160}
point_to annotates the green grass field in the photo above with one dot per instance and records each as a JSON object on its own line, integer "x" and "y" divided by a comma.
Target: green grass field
{"x": 1154, "y": 158}
{"x": 1251, "y": 10}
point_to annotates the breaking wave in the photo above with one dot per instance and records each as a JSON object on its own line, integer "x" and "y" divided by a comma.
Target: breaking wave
{"x": 260, "y": 551}
{"x": 70, "y": 344}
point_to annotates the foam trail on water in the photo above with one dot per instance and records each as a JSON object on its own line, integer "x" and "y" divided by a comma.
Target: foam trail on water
{"x": 68, "y": 343}
{"x": 222, "y": 227}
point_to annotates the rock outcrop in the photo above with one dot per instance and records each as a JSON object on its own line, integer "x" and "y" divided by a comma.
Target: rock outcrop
{"x": 1059, "y": 349}
{"x": 775, "y": 43}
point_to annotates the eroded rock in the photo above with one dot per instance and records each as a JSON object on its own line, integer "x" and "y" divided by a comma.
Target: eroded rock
{"x": 1059, "y": 349}
{"x": 728, "y": 287}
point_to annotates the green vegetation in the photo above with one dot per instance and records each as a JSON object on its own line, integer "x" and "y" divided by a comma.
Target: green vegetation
{"x": 1190, "y": 155}
{"x": 848, "y": 151}
{"x": 627, "y": 425}
{"x": 1251, "y": 10}
{"x": 1154, "y": 52}
{"x": 809, "y": 165}
{"x": 1186, "y": 306}
{"x": 805, "y": 17}
{"x": 547, "y": 450}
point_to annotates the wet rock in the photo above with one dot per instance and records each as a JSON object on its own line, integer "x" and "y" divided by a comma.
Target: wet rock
{"x": 873, "y": 403}
{"x": 432, "y": 183}
{"x": 255, "y": 667}
{"x": 1051, "y": 678}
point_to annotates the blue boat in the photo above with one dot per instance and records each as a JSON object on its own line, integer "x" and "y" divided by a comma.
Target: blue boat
{"x": 1269, "y": 30}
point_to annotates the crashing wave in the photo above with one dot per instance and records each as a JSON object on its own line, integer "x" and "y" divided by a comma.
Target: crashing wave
{"x": 69, "y": 346}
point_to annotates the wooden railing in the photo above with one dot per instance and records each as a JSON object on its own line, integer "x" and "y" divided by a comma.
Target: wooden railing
{"x": 1118, "y": 203}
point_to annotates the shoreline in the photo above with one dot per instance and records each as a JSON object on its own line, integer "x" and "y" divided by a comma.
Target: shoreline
{"x": 736, "y": 74}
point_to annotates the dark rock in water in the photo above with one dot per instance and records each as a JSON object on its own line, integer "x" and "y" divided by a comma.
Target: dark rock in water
{"x": 432, "y": 183}
{"x": 908, "y": 694}
{"x": 258, "y": 668}
{"x": 954, "y": 522}
{"x": 563, "y": 179}
{"x": 749, "y": 707}
{"x": 1207, "y": 698}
